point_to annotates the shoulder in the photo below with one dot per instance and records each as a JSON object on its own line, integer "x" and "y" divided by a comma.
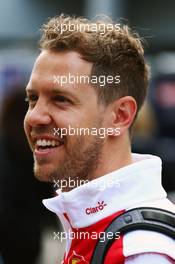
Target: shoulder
{"x": 144, "y": 241}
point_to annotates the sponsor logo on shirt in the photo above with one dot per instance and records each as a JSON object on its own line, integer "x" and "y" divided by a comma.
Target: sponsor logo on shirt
{"x": 92, "y": 210}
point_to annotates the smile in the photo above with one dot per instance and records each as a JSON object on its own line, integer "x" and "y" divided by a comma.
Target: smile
{"x": 44, "y": 144}
{"x": 45, "y": 147}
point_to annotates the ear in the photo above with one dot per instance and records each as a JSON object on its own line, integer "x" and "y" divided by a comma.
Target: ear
{"x": 123, "y": 111}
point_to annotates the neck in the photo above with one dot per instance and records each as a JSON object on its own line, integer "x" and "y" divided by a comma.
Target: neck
{"x": 115, "y": 156}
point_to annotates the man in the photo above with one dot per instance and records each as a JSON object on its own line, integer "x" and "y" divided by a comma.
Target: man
{"x": 62, "y": 97}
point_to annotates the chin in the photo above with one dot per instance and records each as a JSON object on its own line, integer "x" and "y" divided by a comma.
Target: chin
{"x": 43, "y": 173}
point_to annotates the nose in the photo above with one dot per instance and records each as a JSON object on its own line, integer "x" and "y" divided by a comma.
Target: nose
{"x": 39, "y": 115}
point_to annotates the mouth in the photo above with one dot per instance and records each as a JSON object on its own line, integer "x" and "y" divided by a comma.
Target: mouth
{"x": 43, "y": 147}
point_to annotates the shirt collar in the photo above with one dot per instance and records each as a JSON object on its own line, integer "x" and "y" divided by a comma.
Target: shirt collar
{"x": 136, "y": 183}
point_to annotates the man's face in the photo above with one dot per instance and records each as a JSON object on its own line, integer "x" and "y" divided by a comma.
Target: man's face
{"x": 54, "y": 106}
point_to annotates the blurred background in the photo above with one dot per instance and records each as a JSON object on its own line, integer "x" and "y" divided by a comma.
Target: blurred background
{"x": 26, "y": 228}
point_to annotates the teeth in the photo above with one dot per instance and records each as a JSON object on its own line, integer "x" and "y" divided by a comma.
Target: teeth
{"x": 44, "y": 143}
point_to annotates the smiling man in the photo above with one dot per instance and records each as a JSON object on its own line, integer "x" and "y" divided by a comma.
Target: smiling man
{"x": 129, "y": 180}
{"x": 58, "y": 107}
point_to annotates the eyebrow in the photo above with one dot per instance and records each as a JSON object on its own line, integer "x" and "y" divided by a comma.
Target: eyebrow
{"x": 52, "y": 91}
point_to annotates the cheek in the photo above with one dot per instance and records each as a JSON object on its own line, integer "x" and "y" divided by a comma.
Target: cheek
{"x": 74, "y": 119}
{"x": 63, "y": 119}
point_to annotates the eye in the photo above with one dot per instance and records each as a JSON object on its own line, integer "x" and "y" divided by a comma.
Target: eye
{"x": 31, "y": 99}
{"x": 62, "y": 99}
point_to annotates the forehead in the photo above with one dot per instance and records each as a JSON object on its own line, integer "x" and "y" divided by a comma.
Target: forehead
{"x": 50, "y": 64}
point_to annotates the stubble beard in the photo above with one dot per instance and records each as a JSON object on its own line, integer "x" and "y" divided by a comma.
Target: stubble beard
{"x": 81, "y": 162}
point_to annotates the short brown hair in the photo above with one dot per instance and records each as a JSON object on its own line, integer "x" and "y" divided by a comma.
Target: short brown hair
{"x": 116, "y": 52}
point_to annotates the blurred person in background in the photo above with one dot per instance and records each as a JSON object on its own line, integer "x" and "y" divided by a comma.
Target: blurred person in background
{"x": 20, "y": 193}
{"x": 154, "y": 130}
